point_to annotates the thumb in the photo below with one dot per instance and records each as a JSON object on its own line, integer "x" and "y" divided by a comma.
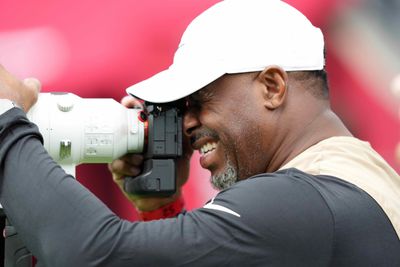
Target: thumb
{"x": 131, "y": 102}
{"x": 34, "y": 86}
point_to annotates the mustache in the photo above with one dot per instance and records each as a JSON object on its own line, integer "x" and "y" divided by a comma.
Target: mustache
{"x": 204, "y": 132}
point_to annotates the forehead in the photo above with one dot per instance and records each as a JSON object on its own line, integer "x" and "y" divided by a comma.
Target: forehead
{"x": 228, "y": 83}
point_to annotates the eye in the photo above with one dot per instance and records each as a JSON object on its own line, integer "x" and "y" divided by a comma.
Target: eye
{"x": 192, "y": 102}
{"x": 197, "y": 100}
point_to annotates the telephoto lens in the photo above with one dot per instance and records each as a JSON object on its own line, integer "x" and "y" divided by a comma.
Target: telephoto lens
{"x": 87, "y": 130}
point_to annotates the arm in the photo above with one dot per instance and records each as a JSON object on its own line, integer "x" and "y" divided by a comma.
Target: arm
{"x": 59, "y": 220}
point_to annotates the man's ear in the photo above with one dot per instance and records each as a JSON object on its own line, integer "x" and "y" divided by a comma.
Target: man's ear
{"x": 274, "y": 82}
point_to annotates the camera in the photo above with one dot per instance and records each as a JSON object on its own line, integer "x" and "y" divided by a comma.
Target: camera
{"x": 79, "y": 130}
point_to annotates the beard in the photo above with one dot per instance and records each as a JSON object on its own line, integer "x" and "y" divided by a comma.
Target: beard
{"x": 229, "y": 176}
{"x": 225, "y": 179}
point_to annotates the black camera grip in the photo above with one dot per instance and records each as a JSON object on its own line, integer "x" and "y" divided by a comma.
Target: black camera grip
{"x": 158, "y": 178}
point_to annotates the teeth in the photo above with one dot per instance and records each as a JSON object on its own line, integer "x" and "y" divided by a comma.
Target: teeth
{"x": 207, "y": 148}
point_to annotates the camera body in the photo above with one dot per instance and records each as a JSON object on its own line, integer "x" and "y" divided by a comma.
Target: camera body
{"x": 98, "y": 130}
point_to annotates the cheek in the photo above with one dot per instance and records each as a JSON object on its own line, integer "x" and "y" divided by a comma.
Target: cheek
{"x": 244, "y": 146}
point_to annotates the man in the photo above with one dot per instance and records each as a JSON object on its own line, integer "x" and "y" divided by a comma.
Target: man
{"x": 297, "y": 188}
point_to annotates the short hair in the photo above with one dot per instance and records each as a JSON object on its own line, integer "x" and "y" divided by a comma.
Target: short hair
{"x": 315, "y": 81}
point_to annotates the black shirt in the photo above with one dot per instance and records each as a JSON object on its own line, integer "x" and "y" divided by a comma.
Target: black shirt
{"x": 287, "y": 218}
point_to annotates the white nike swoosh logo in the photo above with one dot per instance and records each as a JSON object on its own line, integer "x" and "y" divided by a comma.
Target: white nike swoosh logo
{"x": 213, "y": 206}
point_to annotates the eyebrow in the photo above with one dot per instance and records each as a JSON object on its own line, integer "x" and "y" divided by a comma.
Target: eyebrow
{"x": 202, "y": 95}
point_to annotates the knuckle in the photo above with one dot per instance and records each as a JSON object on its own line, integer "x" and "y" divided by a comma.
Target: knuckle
{"x": 136, "y": 160}
{"x": 115, "y": 166}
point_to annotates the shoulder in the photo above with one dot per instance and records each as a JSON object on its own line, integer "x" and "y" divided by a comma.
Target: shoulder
{"x": 293, "y": 199}
{"x": 281, "y": 187}
{"x": 290, "y": 190}
{"x": 282, "y": 212}
{"x": 300, "y": 192}
{"x": 278, "y": 202}
{"x": 300, "y": 214}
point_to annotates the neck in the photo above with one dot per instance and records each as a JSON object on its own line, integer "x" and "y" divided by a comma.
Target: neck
{"x": 297, "y": 139}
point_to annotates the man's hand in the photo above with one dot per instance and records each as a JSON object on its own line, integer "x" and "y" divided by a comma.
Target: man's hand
{"x": 22, "y": 93}
{"x": 132, "y": 164}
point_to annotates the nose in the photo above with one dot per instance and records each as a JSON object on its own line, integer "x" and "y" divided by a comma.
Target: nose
{"x": 190, "y": 122}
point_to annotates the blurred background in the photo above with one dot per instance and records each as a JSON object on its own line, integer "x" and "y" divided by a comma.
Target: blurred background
{"x": 96, "y": 49}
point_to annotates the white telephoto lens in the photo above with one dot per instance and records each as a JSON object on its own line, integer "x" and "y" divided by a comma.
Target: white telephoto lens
{"x": 86, "y": 130}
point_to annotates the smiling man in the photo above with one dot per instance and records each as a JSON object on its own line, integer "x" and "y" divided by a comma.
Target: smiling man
{"x": 297, "y": 189}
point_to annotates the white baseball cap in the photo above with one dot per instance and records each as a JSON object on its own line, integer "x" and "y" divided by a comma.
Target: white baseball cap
{"x": 236, "y": 36}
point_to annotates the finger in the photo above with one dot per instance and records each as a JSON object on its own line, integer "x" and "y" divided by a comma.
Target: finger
{"x": 121, "y": 168}
{"x": 5, "y": 74}
{"x": 134, "y": 159}
{"x": 131, "y": 102}
{"x": 9, "y": 85}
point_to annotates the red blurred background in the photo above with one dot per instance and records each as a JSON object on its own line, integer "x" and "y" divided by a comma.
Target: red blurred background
{"x": 96, "y": 49}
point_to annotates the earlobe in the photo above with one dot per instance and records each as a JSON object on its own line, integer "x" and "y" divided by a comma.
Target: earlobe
{"x": 274, "y": 82}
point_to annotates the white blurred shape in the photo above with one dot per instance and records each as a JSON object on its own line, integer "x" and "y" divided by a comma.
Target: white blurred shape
{"x": 35, "y": 52}
{"x": 395, "y": 86}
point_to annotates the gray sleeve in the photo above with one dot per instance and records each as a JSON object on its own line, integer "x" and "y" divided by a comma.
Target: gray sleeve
{"x": 64, "y": 224}
{"x": 59, "y": 220}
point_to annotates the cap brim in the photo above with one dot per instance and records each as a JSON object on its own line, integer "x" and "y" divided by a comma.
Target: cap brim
{"x": 173, "y": 84}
